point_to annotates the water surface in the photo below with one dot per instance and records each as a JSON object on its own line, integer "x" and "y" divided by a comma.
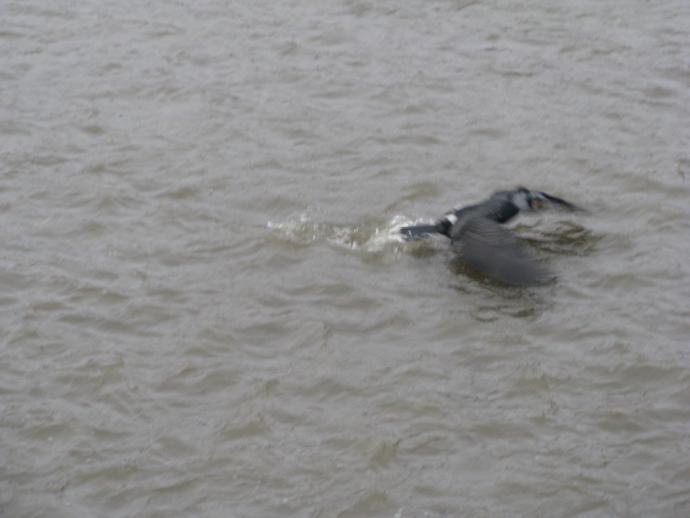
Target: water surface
{"x": 205, "y": 310}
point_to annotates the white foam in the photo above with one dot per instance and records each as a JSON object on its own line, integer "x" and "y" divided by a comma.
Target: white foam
{"x": 362, "y": 238}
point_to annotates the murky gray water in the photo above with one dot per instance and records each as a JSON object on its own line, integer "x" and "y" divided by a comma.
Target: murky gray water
{"x": 205, "y": 310}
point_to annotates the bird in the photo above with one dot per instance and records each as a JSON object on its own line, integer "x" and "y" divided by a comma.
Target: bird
{"x": 478, "y": 238}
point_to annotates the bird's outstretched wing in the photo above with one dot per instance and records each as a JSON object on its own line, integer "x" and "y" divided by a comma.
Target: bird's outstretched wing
{"x": 497, "y": 253}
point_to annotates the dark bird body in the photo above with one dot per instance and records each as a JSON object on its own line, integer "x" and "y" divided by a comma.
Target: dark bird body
{"x": 479, "y": 239}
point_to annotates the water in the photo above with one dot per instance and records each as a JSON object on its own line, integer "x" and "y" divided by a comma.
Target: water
{"x": 206, "y": 311}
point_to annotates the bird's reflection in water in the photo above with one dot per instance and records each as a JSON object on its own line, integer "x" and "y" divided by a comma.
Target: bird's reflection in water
{"x": 489, "y": 300}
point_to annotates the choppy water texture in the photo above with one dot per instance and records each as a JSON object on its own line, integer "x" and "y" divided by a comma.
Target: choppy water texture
{"x": 205, "y": 310}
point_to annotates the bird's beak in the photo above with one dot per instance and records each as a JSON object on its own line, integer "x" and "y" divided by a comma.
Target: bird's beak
{"x": 556, "y": 201}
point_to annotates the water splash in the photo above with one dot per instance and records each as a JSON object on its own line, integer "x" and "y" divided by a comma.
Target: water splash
{"x": 366, "y": 237}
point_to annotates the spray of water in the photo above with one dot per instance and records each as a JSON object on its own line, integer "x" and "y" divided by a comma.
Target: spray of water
{"x": 367, "y": 237}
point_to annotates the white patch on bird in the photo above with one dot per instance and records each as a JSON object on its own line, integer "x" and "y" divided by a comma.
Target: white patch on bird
{"x": 520, "y": 199}
{"x": 451, "y": 218}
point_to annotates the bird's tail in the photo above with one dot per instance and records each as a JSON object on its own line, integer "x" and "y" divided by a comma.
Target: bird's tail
{"x": 420, "y": 231}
